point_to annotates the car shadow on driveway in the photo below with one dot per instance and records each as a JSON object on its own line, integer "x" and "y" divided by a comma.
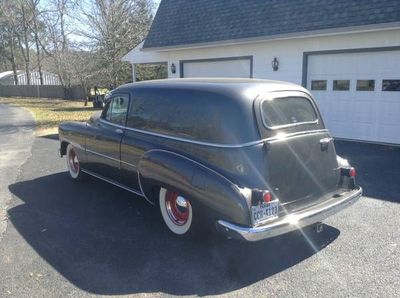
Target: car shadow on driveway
{"x": 378, "y": 168}
{"x": 106, "y": 241}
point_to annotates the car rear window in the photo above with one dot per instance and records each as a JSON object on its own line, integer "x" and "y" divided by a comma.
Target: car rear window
{"x": 287, "y": 111}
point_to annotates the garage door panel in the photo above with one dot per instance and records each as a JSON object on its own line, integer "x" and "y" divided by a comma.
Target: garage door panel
{"x": 390, "y": 112}
{"x": 355, "y": 114}
{"x": 227, "y": 68}
{"x": 388, "y": 133}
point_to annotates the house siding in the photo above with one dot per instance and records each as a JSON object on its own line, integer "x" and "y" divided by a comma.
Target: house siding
{"x": 288, "y": 51}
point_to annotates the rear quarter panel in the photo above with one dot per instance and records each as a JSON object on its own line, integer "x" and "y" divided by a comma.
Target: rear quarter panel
{"x": 213, "y": 195}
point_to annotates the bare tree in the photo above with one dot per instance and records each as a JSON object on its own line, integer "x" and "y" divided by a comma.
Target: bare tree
{"x": 21, "y": 23}
{"x": 54, "y": 43}
{"x": 81, "y": 41}
{"x": 7, "y": 43}
{"x": 22, "y": 27}
{"x": 34, "y": 8}
{"x": 113, "y": 27}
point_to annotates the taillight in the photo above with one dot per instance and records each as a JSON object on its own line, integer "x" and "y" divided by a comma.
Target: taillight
{"x": 259, "y": 196}
{"x": 267, "y": 197}
{"x": 349, "y": 172}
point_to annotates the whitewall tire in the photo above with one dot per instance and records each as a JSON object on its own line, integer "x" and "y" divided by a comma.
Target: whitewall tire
{"x": 176, "y": 211}
{"x": 73, "y": 165}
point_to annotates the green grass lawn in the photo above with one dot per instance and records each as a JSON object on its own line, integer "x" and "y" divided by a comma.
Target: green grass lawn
{"x": 49, "y": 113}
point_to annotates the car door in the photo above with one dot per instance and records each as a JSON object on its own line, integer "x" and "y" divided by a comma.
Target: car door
{"x": 136, "y": 140}
{"x": 103, "y": 147}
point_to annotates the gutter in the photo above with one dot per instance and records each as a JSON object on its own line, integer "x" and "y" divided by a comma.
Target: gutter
{"x": 295, "y": 35}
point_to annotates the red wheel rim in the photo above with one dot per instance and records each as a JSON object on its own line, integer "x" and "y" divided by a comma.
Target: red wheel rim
{"x": 73, "y": 161}
{"x": 177, "y": 207}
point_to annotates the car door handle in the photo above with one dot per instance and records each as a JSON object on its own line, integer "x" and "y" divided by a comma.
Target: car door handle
{"x": 119, "y": 131}
{"x": 325, "y": 141}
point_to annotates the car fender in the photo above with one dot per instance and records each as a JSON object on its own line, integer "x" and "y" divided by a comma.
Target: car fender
{"x": 74, "y": 133}
{"x": 211, "y": 194}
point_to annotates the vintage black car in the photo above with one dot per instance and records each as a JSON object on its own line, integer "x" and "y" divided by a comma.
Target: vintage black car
{"x": 251, "y": 157}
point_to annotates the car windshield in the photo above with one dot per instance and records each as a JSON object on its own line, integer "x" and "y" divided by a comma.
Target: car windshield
{"x": 287, "y": 111}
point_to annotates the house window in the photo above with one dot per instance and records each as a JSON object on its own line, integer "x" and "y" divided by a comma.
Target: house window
{"x": 391, "y": 85}
{"x": 341, "y": 85}
{"x": 365, "y": 85}
{"x": 318, "y": 85}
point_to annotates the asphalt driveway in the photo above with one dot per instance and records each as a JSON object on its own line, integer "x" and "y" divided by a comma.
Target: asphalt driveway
{"x": 81, "y": 239}
{"x": 16, "y": 137}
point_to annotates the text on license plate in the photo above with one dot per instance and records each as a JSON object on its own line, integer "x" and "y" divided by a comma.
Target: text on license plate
{"x": 265, "y": 211}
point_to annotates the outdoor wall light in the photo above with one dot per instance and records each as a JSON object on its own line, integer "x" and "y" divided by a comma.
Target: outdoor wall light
{"x": 275, "y": 64}
{"x": 173, "y": 68}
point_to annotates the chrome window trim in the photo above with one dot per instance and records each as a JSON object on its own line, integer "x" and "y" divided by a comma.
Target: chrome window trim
{"x": 286, "y": 95}
{"x": 110, "y": 99}
{"x": 248, "y": 144}
{"x": 296, "y": 134}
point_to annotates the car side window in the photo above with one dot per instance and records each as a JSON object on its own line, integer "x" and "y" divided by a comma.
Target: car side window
{"x": 116, "y": 109}
{"x": 195, "y": 115}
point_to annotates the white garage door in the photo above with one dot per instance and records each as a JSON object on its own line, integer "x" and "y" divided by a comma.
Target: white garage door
{"x": 358, "y": 94}
{"x": 227, "y": 68}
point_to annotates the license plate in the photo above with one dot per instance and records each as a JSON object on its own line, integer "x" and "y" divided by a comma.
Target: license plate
{"x": 265, "y": 211}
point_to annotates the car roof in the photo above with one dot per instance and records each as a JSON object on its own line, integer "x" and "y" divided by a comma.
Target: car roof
{"x": 248, "y": 87}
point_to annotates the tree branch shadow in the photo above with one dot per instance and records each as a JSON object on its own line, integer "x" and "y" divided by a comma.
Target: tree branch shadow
{"x": 106, "y": 241}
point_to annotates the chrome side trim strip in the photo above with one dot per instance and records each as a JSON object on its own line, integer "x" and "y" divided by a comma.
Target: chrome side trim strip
{"x": 129, "y": 164}
{"x": 182, "y": 139}
{"x": 248, "y": 144}
{"x": 113, "y": 182}
{"x": 141, "y": 189}
{"x": 201, "y": 165}
{"x": 102, "y": 155}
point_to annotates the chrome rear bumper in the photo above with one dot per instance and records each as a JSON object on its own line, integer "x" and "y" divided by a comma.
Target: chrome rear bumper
{"x": 290, "y": 222}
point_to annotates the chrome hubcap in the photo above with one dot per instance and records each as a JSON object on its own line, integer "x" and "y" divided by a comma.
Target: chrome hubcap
{"x": 177, "y": 207}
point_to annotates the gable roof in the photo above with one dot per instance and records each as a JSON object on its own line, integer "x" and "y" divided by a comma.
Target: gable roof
{"x": 187, "y": 22}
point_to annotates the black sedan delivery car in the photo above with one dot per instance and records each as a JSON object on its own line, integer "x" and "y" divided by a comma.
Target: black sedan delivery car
{"x": 251, "y": 157}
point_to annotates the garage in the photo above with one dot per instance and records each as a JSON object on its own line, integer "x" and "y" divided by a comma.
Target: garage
{"x": 232, "y": 67}
{"x": 358, "y": 93}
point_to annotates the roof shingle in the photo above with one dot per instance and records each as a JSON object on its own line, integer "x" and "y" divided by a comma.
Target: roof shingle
{"x": 183, "y": 22}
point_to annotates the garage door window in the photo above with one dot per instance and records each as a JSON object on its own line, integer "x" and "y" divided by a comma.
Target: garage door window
{"x": 365, "y": 85}
{"x": 341, "y": 85}
{"x": 391, "y": 85}
{"x": 318, "y": 85}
